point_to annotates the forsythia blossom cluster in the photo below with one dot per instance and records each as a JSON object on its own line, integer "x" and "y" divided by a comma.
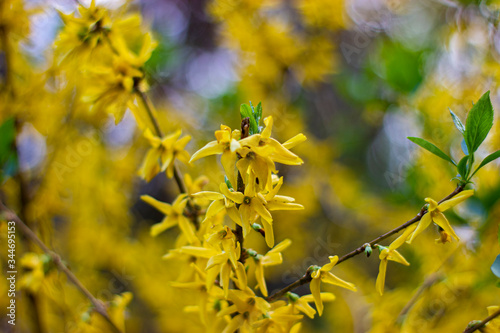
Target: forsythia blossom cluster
{"x": 215, "y": 247}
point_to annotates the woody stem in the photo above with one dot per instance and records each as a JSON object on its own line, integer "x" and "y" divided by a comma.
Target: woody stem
{"x": 482, "y": 322}
{"x": 306, "y": 279}
{"x": 148, "y": 106}
{"x": 99, "y": 306}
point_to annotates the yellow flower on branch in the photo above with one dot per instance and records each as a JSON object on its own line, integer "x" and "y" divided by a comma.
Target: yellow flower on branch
{"x": 249, "y": 307}
{"x": 163, "y": 153}
{"x": 174, "y": 216}
{"x": 32, "y": 265}
{"x": 259, "y": 152}
{"x": 82, "y": 34}
{"x": 301, "y": 304}
{"x": 206, "y": 297}
{"x": 225, "y": 200}
{"x": 392, "y": 254}
{"x": 226, "y": 144}
{"x": 220, "y": 261}
{"x": 322, "y": 274}
{"x": 278, "y": 319}
{"x": 115, "y": 84}
{"x": 271, "y": 258}
{"x": 493, "y": 326}
{"x": 435, "y": 214}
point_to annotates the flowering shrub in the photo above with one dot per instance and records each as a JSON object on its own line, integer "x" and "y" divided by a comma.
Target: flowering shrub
{"x": 88, "y": 154}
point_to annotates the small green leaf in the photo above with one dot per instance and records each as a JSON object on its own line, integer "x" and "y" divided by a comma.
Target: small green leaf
{"x": 495, "y": 268}
{"x": 228, "y": 183}
{"x": 490, "y": 158}
{"x": 432, "y": 148}
{"x": 246, "y": 111}
{"x": 458, "y": 122}
{"x": 464, "y": 147}
{"x": 462, "y": 167}
{"x": 259, "y": 111}
{"x": 479, "y": 122}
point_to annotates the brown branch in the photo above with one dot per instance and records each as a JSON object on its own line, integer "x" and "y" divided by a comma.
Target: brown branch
{"x": 307, "y": 278}
{"x": 482, "y": 323}
{"x": 240, "y": 187}
{"x": 433, "y": 278}
{"x": 192, "y": 210}
{"x": 149, "y": 110}
{"x": 99, "y": 306}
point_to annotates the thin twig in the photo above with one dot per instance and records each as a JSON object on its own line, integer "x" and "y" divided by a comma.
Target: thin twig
{"x": 428, "y": 282}
{"x": 482, "y": 323}
{"x": 240, "y": 187}
{"x": 99, "y": 306}
{"x": 306, "y": 279}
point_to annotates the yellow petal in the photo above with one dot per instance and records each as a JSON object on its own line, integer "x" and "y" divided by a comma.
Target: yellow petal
{"x": 433, "y": 205}
{"x": 333, "y": 261}
{"x": 210, "y": 148}
{"x": 225, "y": 272}
{"x": 212, "y": 274}
{"x": 228, "y": 161}
{"x": 268, "y": 228}
{"x": 304, "y": 307}
{"x": 241, "y": 276}
{"x": 234, "y": 215}
{"x": 207, "y": 195}
{"x": 167, "y": 223}
{"x": 441, "y": 221}
{"x": 422, "y": 225}
{"x": 150, "y": 166}
{"x": 281, "y": 246}
{"x": 381, "y": 277}
{"x": 214, "y": 208}
{"x": 234, "y": 324}
{"x": 218, "y": 259}
{"x": 266, "y": 133}
{"x": 233, "y": 196}
{"x": 455, "y": 200}
{"x": 401, "y": 239}
{"x": 271, "y": 259}
{"x": 188, "y": 229}
{"x": 163, "y": 207}
{"x": 259, "y": 208}
{"x": 259, "y": 276}
{"x": 299, "y": 138}
{"x": 197, "y": 251}
{"x": 394, "y": 255}
{"x": 326, "y": 297}
{"x": 329, "y": 278}
{"x": 315, "y": 291}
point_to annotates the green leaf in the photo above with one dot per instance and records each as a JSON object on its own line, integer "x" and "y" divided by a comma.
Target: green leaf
{"x": 495, "y": 268}
{"x": 464, "y": 147}
{"x": 458, "y": 122}
{"x": 248, "y": 111}
{"x": 462, "y": 167}
{"x": 479, "y": 122}
{"x": 258, "y": 115}
{"x": 490, "y": 158}
{"x": 228, "y": 183}
{"x": 8, "y": 154}
{"x": 432, "y": 148}
{"x": 245, "y": 111}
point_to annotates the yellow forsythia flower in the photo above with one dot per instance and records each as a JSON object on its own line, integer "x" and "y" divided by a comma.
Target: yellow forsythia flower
{"x": 322, "y": 274}
{"x": 435, "y": 214}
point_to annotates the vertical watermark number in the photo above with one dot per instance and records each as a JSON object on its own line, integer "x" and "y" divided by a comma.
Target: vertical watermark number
{"x": 11, "y": 272}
